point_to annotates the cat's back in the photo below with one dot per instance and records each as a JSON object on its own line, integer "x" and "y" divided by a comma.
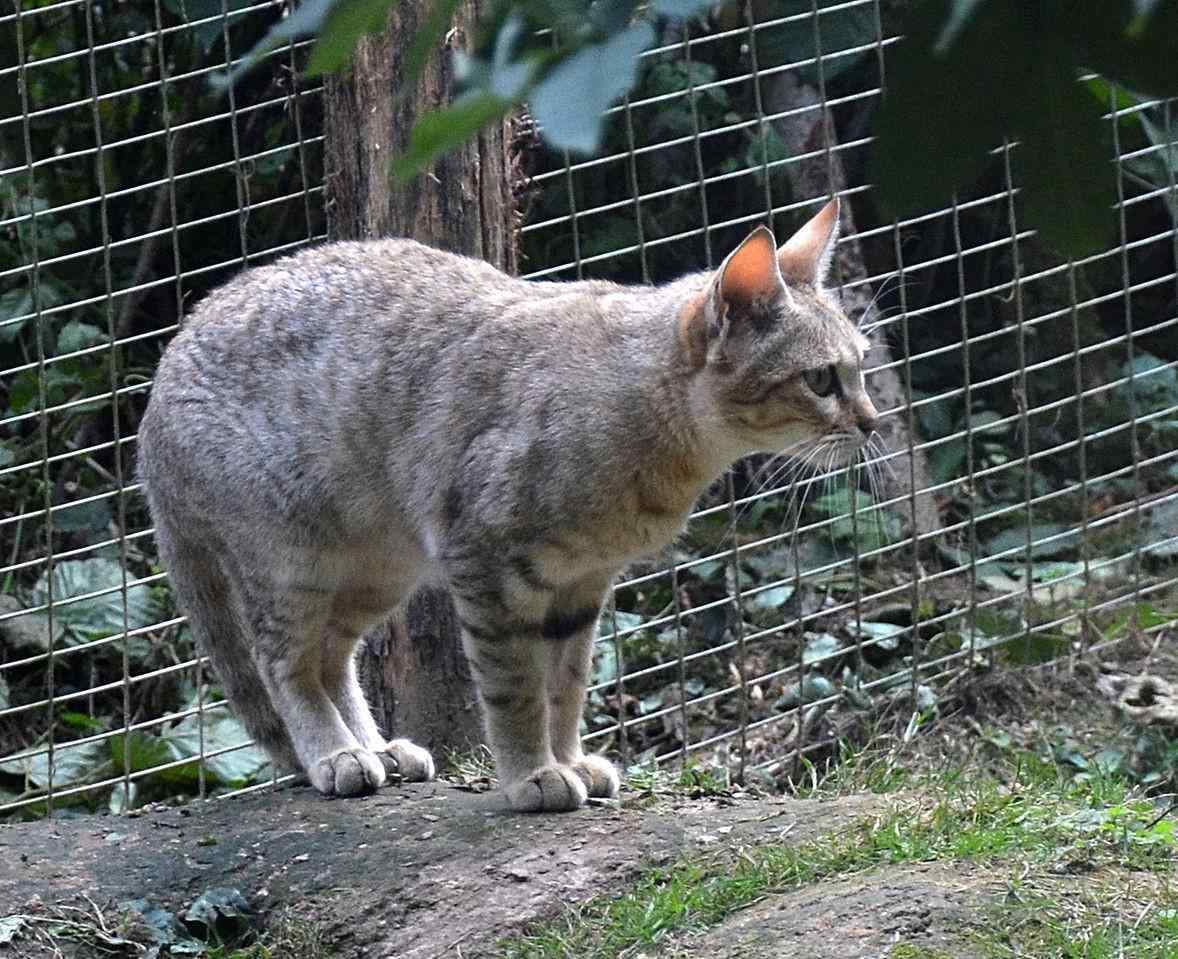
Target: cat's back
{"x": 339, "y": 284}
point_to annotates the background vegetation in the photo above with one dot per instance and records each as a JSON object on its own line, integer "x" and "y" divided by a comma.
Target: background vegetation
{"x": 1063, "y": 565}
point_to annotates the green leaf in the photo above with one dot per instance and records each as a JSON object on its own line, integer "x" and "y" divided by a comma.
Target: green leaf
{"x": 84, "y": 517}
{"x": 1015, "y": 538}
{"x": 72, "y": 764}
{"x": 845, "y": 27}
{"x": 77, "y": 336}
{"x": 821, "y": 647}
{"x": 348, "y": 21}
{"x": 611, "y": 16}
{"x": 10, "y": 928}
{"x": 14, "y": 303}
{"x": 567, "y": 104}
{"x": 97, "y": 616}
{"x": 941, "y": 115}
{"x": 812, "y": 688}
{"x": 1113, "y": 41}
{"x": 445, "y": 129}
{"x": 141, "y": 750}
{"x": 885, "y": 636}
{"x": 1064, "y": 162}
{"x": 306, "y": 19}
{"x": 220, "y": 729}
{"x": 947, "y": 461}
{"x": 772, "y": 598}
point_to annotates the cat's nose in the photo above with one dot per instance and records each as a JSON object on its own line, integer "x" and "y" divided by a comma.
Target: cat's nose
{"x": 868, "y": 424}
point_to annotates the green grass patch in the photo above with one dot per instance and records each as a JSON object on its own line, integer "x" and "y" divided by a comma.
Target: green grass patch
{"x": 1035, "y": 815}
{"x": 1111, "y": 920}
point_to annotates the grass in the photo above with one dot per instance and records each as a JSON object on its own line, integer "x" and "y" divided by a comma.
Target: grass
{"x": 1032, "y": 820}
{"x": 288, "y": 938}
{"x": 1118, "y": 916}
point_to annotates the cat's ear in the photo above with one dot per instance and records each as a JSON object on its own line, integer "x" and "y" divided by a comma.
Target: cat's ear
{"x": 748, "y": 275}
{"x": 805, "y": 258}
{"x": 751, "y": 272}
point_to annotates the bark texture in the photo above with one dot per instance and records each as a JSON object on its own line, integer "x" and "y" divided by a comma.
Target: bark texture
{"x": 412, "y": 668}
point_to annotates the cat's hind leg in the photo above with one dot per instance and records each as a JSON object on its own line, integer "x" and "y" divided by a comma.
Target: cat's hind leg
{"x": 289, "y": 649}
{"x": 207, "y": 594}
{"x": 338, "y": 669}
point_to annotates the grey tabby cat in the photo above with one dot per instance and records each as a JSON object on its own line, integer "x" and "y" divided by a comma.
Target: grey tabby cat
{"x": 328, "y": 431}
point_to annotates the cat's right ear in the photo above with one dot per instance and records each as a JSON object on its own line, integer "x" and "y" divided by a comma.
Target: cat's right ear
{"x": 749, "y": 275}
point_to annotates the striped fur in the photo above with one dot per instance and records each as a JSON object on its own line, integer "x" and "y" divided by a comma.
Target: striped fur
{"x": 331, "y": 430}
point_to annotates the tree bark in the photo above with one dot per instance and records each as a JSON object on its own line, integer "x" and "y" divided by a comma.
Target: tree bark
{"x": 412, "y": 667}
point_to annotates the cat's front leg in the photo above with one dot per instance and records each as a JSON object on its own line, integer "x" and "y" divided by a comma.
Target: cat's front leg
{"x": 569, "y": 638}
{"x": 508, "y": 661}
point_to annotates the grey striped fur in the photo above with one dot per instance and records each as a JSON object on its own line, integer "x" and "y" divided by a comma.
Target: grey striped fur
{"x": 331, "y": 430}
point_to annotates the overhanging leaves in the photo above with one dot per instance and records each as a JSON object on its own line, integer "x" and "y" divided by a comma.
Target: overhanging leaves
{"x": 569, "y": 101}
{"x": 1064, "y": 164}
{"x": 308, "y": 18}
{"x": 966, "y": 78}
{"x": 443, "y": 130}
{"x": 348, "y": 21}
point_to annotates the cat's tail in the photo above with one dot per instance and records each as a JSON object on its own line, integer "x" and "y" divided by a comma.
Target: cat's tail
{"x": 206, "y": 595}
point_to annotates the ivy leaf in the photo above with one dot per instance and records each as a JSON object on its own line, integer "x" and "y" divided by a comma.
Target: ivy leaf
{"x": 348, "y": 22}
{"x": 569, "y": 101}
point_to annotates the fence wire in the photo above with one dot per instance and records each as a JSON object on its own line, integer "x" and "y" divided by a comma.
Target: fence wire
{"x": 1024, "y": 510}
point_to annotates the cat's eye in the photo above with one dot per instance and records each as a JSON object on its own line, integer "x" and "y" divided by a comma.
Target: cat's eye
{"x": 822, "y": 380}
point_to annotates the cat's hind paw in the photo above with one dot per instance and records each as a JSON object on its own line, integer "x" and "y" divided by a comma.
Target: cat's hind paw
{"x": 548, "y": 789}
{"x": 599, "y": 775}
{"x": 347, "y": 772}
{"x": 408, "y": 760}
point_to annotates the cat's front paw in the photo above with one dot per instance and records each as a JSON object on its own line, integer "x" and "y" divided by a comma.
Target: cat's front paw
{"x": 347, "y": 772}
{"x": 599, "y": 775}
{"x": 548, "y": 789}
{"x": 408, "y": 760}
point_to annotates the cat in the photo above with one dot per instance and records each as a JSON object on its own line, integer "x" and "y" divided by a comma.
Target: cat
{"x": 330, "y": 430}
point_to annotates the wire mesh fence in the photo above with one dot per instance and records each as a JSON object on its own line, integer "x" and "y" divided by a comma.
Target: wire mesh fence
{"x": 1023, "y": 511}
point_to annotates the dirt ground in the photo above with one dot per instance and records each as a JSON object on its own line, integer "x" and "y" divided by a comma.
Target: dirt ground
{"x": 438, "y": 871}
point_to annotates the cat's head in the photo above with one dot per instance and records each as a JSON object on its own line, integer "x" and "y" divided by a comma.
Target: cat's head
{"x": 778, "y": 361}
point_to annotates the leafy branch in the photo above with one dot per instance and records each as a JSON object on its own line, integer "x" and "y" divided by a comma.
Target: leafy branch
{"x": 969, "y": 74}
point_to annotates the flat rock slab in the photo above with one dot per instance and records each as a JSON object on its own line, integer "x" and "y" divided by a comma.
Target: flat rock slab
{"x": 414, "y": 871}
{"x": 925, "y": 906}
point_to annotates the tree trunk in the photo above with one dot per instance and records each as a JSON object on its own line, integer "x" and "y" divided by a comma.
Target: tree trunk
{"x": 412, "y": 667}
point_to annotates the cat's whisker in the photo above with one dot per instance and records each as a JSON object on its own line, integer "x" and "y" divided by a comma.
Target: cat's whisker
{"x": 803, "y": 478}
{"x": 781, "y": 463}
{"x": 881, "y": 457}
